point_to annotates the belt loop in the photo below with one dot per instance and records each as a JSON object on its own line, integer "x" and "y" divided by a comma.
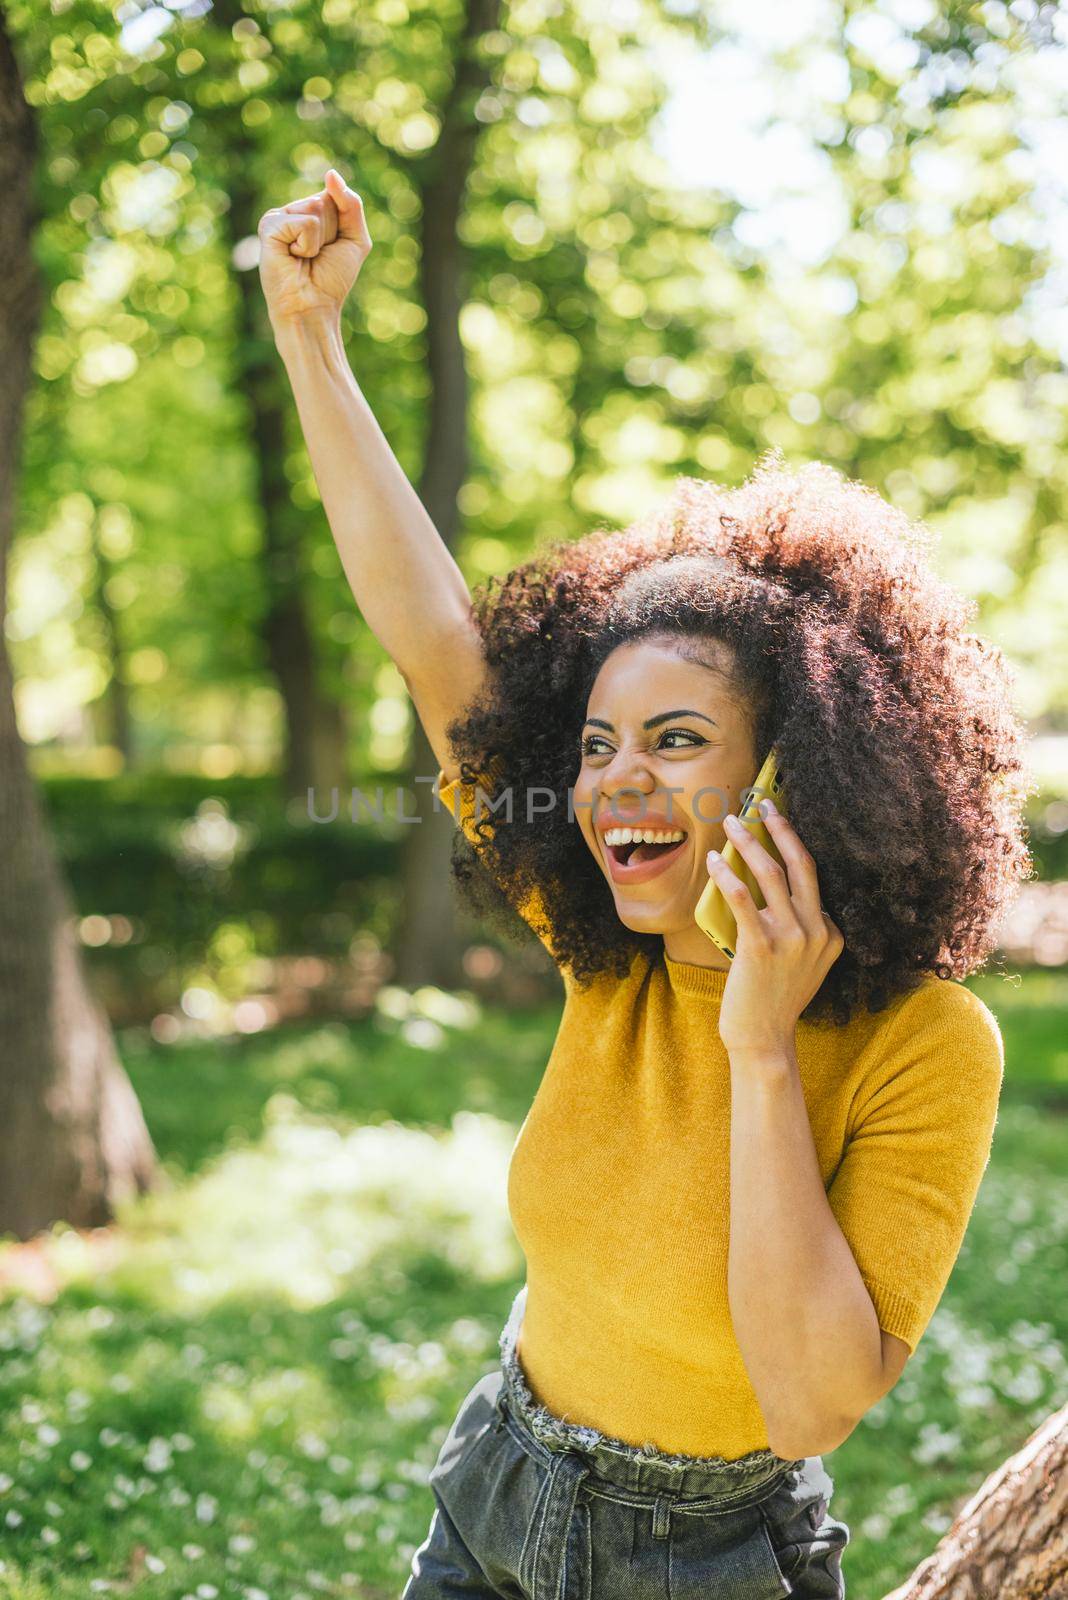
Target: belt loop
{"x": 662, "y": 1517}
{"x": 549, "y": 1564}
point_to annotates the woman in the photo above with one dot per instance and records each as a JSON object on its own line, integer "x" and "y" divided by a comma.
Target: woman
{"x": 743, "y": 1183}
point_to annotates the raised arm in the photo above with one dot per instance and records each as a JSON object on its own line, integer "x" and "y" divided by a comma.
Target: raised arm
{"x": 403, "y": 577}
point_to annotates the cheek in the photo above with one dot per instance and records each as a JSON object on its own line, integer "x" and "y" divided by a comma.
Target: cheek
{"x": 709, "y": 808}
{"x": 582, "y": 798}
{"x": 582, "y": 794}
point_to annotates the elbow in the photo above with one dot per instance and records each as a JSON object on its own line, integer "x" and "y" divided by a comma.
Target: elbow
{"x": 811, "y": 1437}
{"x": 795, "y": 1437}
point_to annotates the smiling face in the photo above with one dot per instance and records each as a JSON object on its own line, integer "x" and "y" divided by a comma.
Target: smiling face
{"x": 663, "y": 725}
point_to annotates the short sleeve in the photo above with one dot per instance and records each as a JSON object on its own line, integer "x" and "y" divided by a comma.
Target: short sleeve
{"x": 461, "y": 799}
{"x": 907, "y": 1182}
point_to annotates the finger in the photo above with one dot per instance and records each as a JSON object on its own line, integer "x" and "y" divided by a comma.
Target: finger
{"x": 308, "y": 241}
{"x": 278, "y": 230}
{"x": 765, "y": 869}
{"x": 735, "y": 892}
{"x": 800, "y": 866}
{"x": 352, "y": 223}
{"x": 300, "y": 233}
{"x": 291, "y": 236}
{"x": 317, "y": 205}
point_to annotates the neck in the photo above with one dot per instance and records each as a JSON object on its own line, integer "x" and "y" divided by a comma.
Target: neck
{"x": 696, "y": 949}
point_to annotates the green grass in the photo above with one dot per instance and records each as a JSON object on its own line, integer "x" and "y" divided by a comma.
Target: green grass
{"x": 239, "y": 1392}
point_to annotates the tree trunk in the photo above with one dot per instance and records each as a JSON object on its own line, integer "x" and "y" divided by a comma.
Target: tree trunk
{"x": 427, "y": 949}
{"x": 117, "y": 697}
{"x": 427, "y": 946}
{"x": 315, "y": 730}
{"x": 315, "y": 735}
{"x": 1010, "y": 1542}
{"x": 75, "y": 1142}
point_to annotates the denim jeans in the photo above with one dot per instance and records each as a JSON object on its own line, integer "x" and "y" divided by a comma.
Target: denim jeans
{"x": 530, "y": 1507}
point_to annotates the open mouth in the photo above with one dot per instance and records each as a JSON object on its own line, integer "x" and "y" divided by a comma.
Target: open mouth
{"x": 628, "y": 847}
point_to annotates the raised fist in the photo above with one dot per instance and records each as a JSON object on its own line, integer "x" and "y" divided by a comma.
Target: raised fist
{"x": 311, "y": 252}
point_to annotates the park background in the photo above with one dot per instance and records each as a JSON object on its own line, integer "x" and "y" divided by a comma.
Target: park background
{"x": 262, "y": 1075}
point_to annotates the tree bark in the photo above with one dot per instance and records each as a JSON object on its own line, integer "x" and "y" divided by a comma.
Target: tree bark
{"x": 75, "y": 1142}
{"x": 314, "y": 724}
{"x": 315, "y": 732}
{"x": 427, "y": 949}
{"x": 116, "y": 698}
{"x": 1010, "y": 1542}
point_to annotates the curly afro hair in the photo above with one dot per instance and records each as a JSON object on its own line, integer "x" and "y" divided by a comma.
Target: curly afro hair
{"x": 900, "y": 749}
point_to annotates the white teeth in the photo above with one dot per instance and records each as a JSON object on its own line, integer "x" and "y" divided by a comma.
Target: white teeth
{"x": 642, "y": 836}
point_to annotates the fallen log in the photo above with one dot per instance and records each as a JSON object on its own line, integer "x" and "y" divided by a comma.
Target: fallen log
{"x": 1010, "y": 1542}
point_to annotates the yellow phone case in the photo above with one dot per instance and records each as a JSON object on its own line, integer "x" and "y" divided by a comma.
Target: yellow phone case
{"x": 712, "y": 914}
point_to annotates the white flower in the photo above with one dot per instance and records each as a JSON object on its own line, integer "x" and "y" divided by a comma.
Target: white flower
{"x": 206, "y": 1508}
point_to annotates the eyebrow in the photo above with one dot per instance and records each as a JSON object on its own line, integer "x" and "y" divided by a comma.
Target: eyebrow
{"x": 652, "y": 722}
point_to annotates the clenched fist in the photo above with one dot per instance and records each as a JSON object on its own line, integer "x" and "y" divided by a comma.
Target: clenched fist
{"x": 311, "y": 252}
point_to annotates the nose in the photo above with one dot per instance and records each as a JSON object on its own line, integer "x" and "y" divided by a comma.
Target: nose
{"x": 625, "y": 786}
{"x": 626, "y": 773}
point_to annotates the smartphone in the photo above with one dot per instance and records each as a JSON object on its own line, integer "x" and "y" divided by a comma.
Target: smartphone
{"x": 712, "y": 914}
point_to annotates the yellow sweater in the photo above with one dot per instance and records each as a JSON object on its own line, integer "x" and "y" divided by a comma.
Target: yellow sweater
{"x": 619, "y": 1185}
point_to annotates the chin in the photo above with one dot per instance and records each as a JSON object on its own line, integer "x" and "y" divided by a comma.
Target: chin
{"x": 653, "y": 921}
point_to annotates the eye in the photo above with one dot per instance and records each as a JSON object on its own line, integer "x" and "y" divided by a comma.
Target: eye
{"x": 692, "y": 739}
{"x": 588, "y": 743}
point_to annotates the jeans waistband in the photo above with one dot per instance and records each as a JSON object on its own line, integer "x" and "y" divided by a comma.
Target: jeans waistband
{"x": 643, "y": 1469}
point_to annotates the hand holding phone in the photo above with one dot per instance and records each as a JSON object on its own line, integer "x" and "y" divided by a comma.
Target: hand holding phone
{"x": 712, "y": 914}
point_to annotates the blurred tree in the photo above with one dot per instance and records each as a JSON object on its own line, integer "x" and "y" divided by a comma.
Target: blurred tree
{"x": 116, "y": 692}
{"x": 954, "y": 396}
{"x": 138, "y": 478}
{"x": 75, "y": 1141}
{"x": 315, "y": 735}
{"x": 941, "y": 361}
{"x": 426, "y": 949}
{"x": 933, "y": 377}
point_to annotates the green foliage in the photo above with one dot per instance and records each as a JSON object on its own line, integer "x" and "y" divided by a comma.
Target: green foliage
{"x": 1048, "y": 823}
{"x": 190, "y": 865}
{"x": 1030, "y": 1009}
{"x": 618, "y": 329}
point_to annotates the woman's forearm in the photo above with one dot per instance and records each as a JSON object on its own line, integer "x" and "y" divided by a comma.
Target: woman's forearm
{"x": 409, "y": 589}
{"x": 804, "y": 1321}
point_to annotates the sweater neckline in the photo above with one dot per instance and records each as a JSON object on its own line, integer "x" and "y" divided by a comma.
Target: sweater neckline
{"x": 686, "y": 977}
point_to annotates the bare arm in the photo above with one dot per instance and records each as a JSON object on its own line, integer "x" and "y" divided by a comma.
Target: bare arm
{"x": 403, "y": 577}
{"x": 789, "y": 1257}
